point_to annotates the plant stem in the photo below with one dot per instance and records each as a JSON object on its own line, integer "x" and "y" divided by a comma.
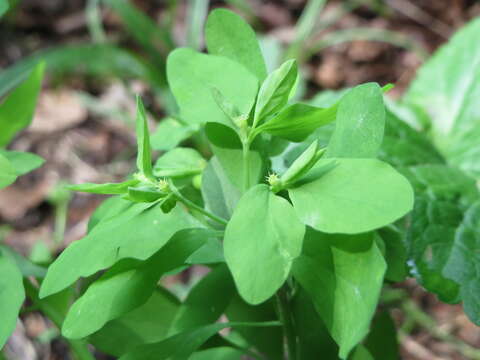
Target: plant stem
{"x": 195, "y": 207}
{"x": 246, "y": 167}
{"x": 285, "y": 316}
{"x": 79, "y": 347}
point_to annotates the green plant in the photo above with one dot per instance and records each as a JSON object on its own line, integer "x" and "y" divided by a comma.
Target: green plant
{"x": 299, "y": 222}
{"x": 327, "y": 201}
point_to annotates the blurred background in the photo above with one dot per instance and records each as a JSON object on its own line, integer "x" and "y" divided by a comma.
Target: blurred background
{"x": 99, "y": 53}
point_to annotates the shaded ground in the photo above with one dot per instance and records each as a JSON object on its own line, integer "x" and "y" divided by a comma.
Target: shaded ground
{"x": 80, "y": 145}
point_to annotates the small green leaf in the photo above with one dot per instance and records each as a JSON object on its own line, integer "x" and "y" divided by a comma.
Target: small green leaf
{"x": 357, "y": 195}
{"x": 16, "y": 111}
{"x": 360, "y": 123}
{"x": 7, "y": 173}
{"x": 302, "y": 164}
{"x": 128, "y": 284}
{"x": 275, "y": 91}
{"x": 227, "y": 34}
{"x": 343, "y": 275}
{"x": 361, "y": 353}
{"x": 274, "y": 240}
{"x": 183, "y": 345}
{"x": 226, "y": 106}
{"x": 192, "y": 75}
{"x": 12, "y": 295}
{"x": 296, "y": 122}
{"x": 3, "y": 7}
{"x": 169, "y": 133}
{"x": 210, "y": 253}
{"x": 146, "y": 324}
{"x": 26, "y": 267}
{"x": 22, "y": 162}
{"x": 144, "y": 194}
{"x": 203, "y": 304}
{"x": 114, "y": 239}
{"x": 395, "y": 253}
{"x": 179, "y": 162}
{"x": 144, "y": 153}
{"x": 107, "y": 188}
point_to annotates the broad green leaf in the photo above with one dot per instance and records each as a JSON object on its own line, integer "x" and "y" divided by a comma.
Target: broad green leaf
{"x": 146, "y": 324}
{"x": 395, "y": 253}
{"x": 191, "y": 76}
{"x": 128, "y": 285}
{"x": 22, "y": 162}
{"x": 356, "y": 195}
{"x": 138, "y": 233}
{"x": 144, "y": 152}
{"x": 16, "y": 111}
{"x": 169, "y": 133}
{"x": 204, "y": 304}
{"x": 443, "y": 195}
{"x": 183, "y": 345}
{"x": 7, "y": 172}
{"x": 463, "y": 265}
{"x": 219, "y": 194}
{"x": 12, "y": 295}
{"x": 446, "y": 92}
{"x": 179, "y": 162}
{"x": 227, "y": 34}
{"x": 107, "y": 188}
{"x": 268, "y": 341}
{"x": 107, "y": 209}
{"x": 229, "y": 159}
{"x": 223, "y": 136}
{"x": 210, "y": 253}
{"x": 360, "y": 123}
{"x": 404, "y": 146}
{"x": 275, "y": 91}
{"x": 296, "y": 122}
{"x": 343, "y": 275}
{"x": 218, "y": 353}
{"x": 274, "y": 240}
{"x": 313, "y": 336}
{"x": 382, "y": 340}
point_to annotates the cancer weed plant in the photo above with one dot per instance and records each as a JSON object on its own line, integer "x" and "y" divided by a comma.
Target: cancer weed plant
{"x": 299, "y": 213}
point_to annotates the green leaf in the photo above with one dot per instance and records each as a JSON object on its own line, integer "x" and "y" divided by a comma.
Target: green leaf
{"x": 107, "y": 188}
{"x": 26, "y": 267}
{"x": 22, "y": 162}
{"x": 179, "y": 162}
{"x": 203, "y": 304}
{"x": 445, "y": 92}
{"x": 16, "y": 111}
{"x": 302, "y": 164}
{"x": 183, "y": 345}
{"x": 357, "y": 195}
{"x": 218, "y": 353}
{"x": 146, "y": 324}
{"x": 210, "y": 253}
{"x": 144, "y": 194}
{"x": 361, "y": 353}
{"x": 313, "y": 336}
{"x": 12, "y": 295}
{"x": 169, "y": 133}
{"x": 382, "y": 340}
{"x": 3, "y": 7}
{"x": 7, "y": 172}
{"x": 395, "y": 253}
{"x": 227, "y": 34}
{"x": 107, "y": 209}
{"x": 128, "y": 285}
{"x": 360, "y": 123}
{"x": 296, "y": 122}
{"x": 192, "y": 75}
{"x": 116, "y": 238}
{"x": 343, "y": 275}
{"x": 443, "y": 195}
{"x": 268, "y": 341}
{"x": 144, "y": 153}
{"x": 275, "y": 91}
{"x": 274, "y": 240}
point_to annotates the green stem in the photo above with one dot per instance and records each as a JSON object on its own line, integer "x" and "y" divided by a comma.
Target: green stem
{"x": 79, "y": 347}
{"x": 285, "y": 316}
{"x": 190, "y": 204}
{"x": 246, "y": 167}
